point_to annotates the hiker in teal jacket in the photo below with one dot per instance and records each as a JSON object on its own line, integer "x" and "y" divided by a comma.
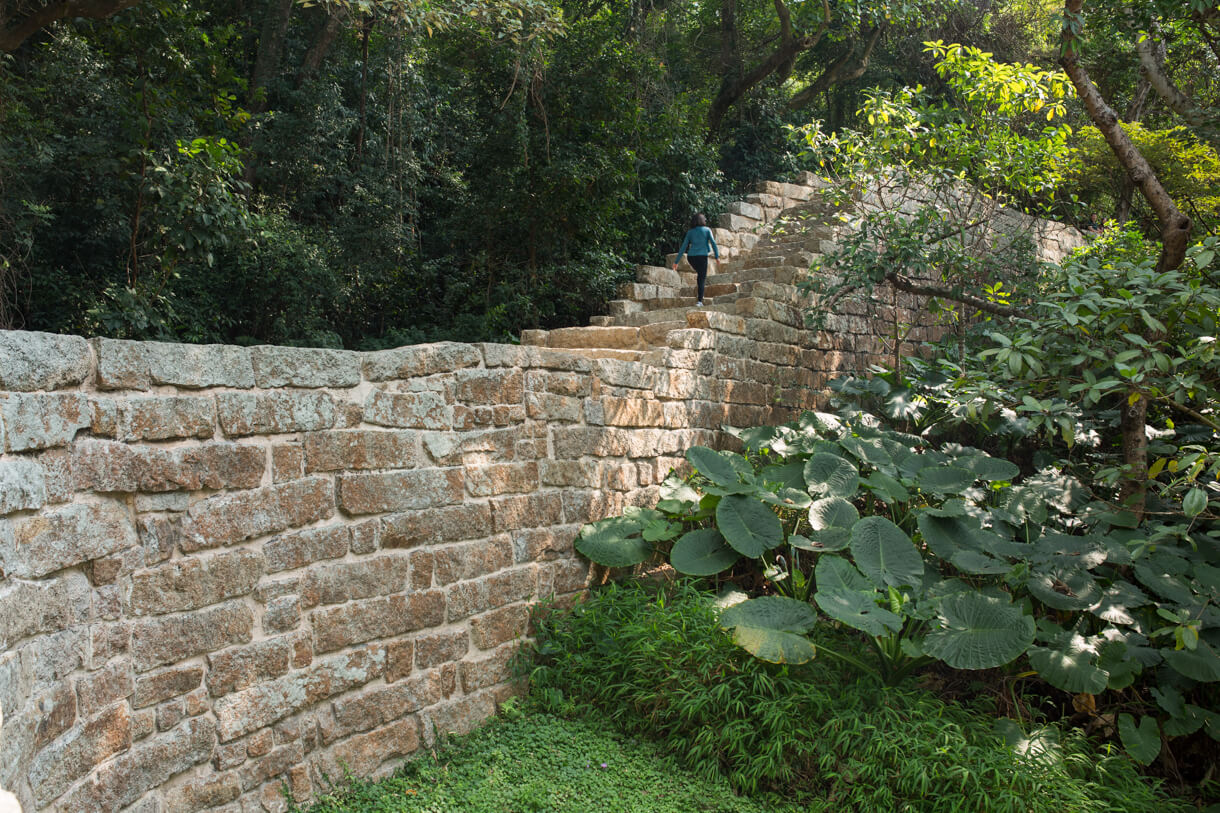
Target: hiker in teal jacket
{"x": 697, "y": 244}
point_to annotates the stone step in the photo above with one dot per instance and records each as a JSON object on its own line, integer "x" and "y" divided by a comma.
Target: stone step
{"x": 669, "y": 315}
{"x": 640, "y": 291}
{"x": 609, "y": 337}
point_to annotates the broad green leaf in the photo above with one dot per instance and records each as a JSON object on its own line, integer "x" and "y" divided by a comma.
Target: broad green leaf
{"x": 1194, "y": 502}
{"x": 1172, "y": 586}
{"x": 1065, "y": 589}
{"x": 1143, "y": 742}
{"x": 1203, "y": 664}
{"x": 836, "y": 574}
{"x": 832, "y": 512}
{"x": 712, "y": 465}
{"x": 867, "y": 451}
{"x": 785, "y": 498}
{"x": 750, "y": 527}
{"x": 979, "y": 564}
{"x": 885, "y": 554}
{"x": 790, "y": 475}
{"x": 659, "y": 530}
{"x": 1068, "y": 664}
{"x": 702, "y": 553}
{"x": 845, "y": 595}
{"x": 887, "y": 488}
{"x": 774, "y": 646}
{"x": 771, "y": 628}
{"x": 944, "y": 479}
{"x": 1117, "y": 601}
{"x": 979, "y": 631}
{"x": 831, "y": 476}
{"x": 942, "y": 535}
{"x": 989, "y": 468}
{"x": 611, "y": 542}
{"x": 824, "y": 541}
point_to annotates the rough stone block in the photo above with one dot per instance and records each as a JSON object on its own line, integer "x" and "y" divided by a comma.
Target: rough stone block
{"x": 491, "y": 629}
{"x": 197, "y": 366}
{"x": 170, "y": 714}
{"x": 440, "y": 648}
{"x": 420, "y": 360}
{"x": 363, "y": 753}
{"x": 76, "y": 753}
{"x": 745, "y": 210}
{"x": 160, "y": 641}
{"x": 268, "y": 702}
{"x": 230, "y": 518}
{"x": 31, "y": 360}
{"x": 23, "y": 485}
{"x": 470, "y": 520}
{"x": 461, "y": 716}
{"x": 380, "y": 617}
{"x": 203, "y": 793}
{"x": 347, "y": 449}
{"x": 287, "y": 462}
{"x": 99, "y": 689}
{"x": 41, "y": 420}
{"x": 157, "y": 417}
{"x": 400, "y": 490}
{"x": 109, "y": 466}
{"x": 374, "y": 576}
{"x": 237, "y": 668}
{"x": 283, "y": 614}
{"x": 63, "y": 537}
{"x": 272, "y": 413}
{"x": 299, "y": 548}
{"x": 121, "y": 364}
{"x": 195, "y": 582}
{"x": 503, "y": 478}
{"x": 304, "y": 367}
{"x": 157, "y": 687}
{"x": 380, "y": 705}
{"x": 480, "y": 673}
{"x": 411, "y": 410}
{"x": 276, "y": 763}
{"x": 468, "y": 598}
{"x": 470, "y": 560}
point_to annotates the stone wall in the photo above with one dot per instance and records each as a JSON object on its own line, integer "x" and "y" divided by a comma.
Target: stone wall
{"x": 227, "y": 569}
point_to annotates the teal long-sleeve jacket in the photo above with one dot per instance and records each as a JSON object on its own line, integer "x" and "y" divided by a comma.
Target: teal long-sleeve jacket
{"x": 698, "y": 242}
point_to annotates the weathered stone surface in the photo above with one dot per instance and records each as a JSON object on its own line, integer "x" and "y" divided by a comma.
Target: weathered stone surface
{"x": 420, "y": 360}
{"x": 23, "y": 485}
{"x": 196, "y": 366}
{"x": 526, "y": 511}
{"x": 203, "y": 793}
{"x": 106, "y": 466}
{"x": 363, "y": 753}
{"x": 468, "y": 598}
{"x": 503, "y": 478}
{"x": 170, "y": 714}
{"x": 157, "y": 687}
{"x": 337, "y": 583}
{"x": 380, "y": 705}
{"x": 267, "y": 702}
{"x": 121, "y": 364}
{"x": 160, "y": 641}
{"x": 440, "y": 648}
{"x": 189, "y": 584}
{"x": 304, "y": 367}
{"x": 76, "y": 753}
{"x": 300, "y": 548}
{"x": 283, "y": 613}
{"x": 41, "y": 420}
{"x": 346, "y": 449}
{"x": 277, "y": 762}
{"x": 287, "y": 462}
{"x": 491, "y": 629}
{"x": 231, "y": 518}
{"x": 63, "y": 537}
{"x": 237, "y": 668}
{"x": 41, "y": 361}
{"x": 147, "y": 765}
{"x": 380, "y": 617}
{"x": 99, "y": 689}
{"x": 480, "y": 673}
{"x": 469, "y": 520}
{"x": 498, "y": 386}
{"x": 461, "y": 716}
{"x": 470, "y": 560}
{"x": 158, "y": 417}
{"x": 272, "y": 413}
{"x": 400, "y": 490}
{"x": 410, "y": 410}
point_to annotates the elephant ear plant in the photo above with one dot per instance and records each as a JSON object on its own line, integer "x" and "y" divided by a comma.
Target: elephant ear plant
{"x": 934, "y": 555}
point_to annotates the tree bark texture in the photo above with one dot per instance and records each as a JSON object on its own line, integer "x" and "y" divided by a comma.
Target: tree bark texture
{"x": 14, "y": 32}
{"x": 839, "y": 72}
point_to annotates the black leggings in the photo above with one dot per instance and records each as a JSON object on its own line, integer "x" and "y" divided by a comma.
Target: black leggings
{"x": 700, "y": 266}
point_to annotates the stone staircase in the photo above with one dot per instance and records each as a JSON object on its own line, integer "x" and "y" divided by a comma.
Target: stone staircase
{"x": 767, "y": 242}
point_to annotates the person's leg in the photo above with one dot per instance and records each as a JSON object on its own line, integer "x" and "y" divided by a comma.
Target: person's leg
{"x": 700, "y": 266}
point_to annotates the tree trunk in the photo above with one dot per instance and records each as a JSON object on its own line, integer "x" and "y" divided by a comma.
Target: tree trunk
{"x": 270, "y": 49}
{"x": 322, "y": 43}
{"x": 1133, "y": 491}
{"x": 13, "y": 33}
{"x": 838, "y": 72}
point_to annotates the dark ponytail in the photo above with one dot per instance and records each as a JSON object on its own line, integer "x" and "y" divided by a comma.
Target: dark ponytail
{"x": 698, "y": 220}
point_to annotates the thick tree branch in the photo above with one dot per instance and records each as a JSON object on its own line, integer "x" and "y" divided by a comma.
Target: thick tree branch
{"x": 13, "y": 33}
{"x": 1152, "y": 68}
{"x": 1175, "y": 226}
{"x": 836, "y": 73}
{"x": 908, "y": 285}
{"x": 326, "y": 37}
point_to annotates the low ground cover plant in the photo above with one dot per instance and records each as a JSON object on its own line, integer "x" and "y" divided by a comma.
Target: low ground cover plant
{"x": 654, "y": 661}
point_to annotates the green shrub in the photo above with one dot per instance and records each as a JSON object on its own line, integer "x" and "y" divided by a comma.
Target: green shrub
{"x": 657, "y": 663}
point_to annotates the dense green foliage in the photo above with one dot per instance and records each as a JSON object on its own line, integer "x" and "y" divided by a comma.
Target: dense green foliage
{"x": 655, "y": 662}
{"x": 533, "y": 762}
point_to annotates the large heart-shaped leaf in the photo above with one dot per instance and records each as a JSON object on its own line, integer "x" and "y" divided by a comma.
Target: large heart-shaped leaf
{"x": 979, "y": 631}
{"x": 788, "y": 475}
{"x": 886, "y": 488}
{"x": 1201, "y": 664}
{"x": 712, "y": 465}
{"x": 1065, "y": 589}
{"x": 750, "y": 527}
{"x": 944, "y": 479}
{"x": 771, "y": 628}
{"x": 702, "y": 553}
{"x": 824, "y": 541}
{"x": 988, "y": 468}
{"x": 885, "y": 554}
{"x": 868, "y": 451}
{"x": 1117, "y": 601}
{"x": 614, "y": 542}
{"x": 832, "y": 512}
{"x": 831, "y": 476}
{"x": 1143, "y": 742}
{"x": 1070, "y": 664}
{"x": 785, "y": 498}
{"x": 845, "y": 595}
{"x": 978, "y": 564}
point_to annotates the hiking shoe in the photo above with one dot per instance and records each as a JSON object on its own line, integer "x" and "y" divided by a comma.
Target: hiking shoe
{"x": 699, "y": 304}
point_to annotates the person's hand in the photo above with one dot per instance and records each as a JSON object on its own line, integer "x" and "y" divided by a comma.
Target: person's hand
{"x": 675, "y": 266}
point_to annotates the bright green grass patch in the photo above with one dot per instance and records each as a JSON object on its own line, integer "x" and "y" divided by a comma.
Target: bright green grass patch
{"x": 539, "y": 763}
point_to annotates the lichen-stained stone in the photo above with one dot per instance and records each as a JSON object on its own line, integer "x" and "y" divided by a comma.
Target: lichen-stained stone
{"x": 157, "y": 687}
{"x": 110, "y": 466}
{"x": 76, "y": 753}
{"x": 62, "y": 537}
{"x": 168, "y": 639}
{"x": 226, "y": 519}
{"x": 510, "y": 355}
{"x": 400, "y": 490}
{"x": 343, "y": 581}
{"x": 461, "y": 716}
{"x": 23, "y": 485}
{"x": 148, "y": 764}
{"x": 470, "y": 560}
{"x": 304, "y": 367}
{"x": 409, "y": 410}
{"x": 480, "y": 673}
{"x": 191, "y": 583}
{"x": 560, "y": 383}
{"x": 202, "y": 793}
{"x": 276, "y": 763}
{"x": 346, "y": 449}
{"x": 99, "y": 689}
{"x": 121, "y": 364}
{"x": 420, "y": 360}
{"x": 272, "y": 413}
{"x": 488, "y": 480}
{"x": 495, "y": 386}
{"x": 155, "y": 417}
{"x": 240, "y": 667}
{"x": 287, "y": 462}
{"x": 269, "y": 701}
{"x": 36, "y": 608}
{"x": 363, "y": 753}
{"x": 491, "y": 629}
{"x": 624, "y": 412}
{"x": 299, "y": 548}
{"x": 470, "y": 520}
{"x": 41, "y": 361}
{"x": 526, "y": 511}
{"x": 380, "y": 617}
{"x": 546, "y": 406}
{"x": 376, "y": 706}
{"x": 467, "y": 598}
{"x": 41, "y": 420}
{"x": 282, "y": 614}
{"x": 197, "y": 366}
